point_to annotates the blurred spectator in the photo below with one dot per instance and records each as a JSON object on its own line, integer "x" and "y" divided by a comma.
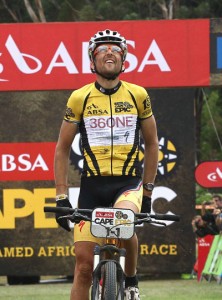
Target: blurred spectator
{"x": 217, "y": 200}
{"x": 219, "y": 221}
{"x": 204, "y": 225}
{"x": 215, "y": 205}
{"x": 210, "y": 220}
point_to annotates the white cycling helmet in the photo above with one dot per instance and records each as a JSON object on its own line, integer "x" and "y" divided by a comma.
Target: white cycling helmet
{"x": 107, "y": 36}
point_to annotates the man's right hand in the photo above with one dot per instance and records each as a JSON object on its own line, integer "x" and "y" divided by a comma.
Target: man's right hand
{"x": 62, "y": 201}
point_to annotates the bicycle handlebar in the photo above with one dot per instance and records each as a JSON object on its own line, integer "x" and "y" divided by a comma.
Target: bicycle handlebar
{"x": 67, "y": 210}
{"x": 162, "y": 217}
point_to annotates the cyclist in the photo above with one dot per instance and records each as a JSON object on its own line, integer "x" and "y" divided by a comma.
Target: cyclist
{"x": 109, "y": 114}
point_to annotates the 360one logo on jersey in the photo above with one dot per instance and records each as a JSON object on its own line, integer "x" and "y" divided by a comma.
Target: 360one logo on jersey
{"x": 115, "y": 121}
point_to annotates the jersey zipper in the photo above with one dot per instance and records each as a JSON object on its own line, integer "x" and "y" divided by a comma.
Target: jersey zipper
{"x": 111, "y": 115}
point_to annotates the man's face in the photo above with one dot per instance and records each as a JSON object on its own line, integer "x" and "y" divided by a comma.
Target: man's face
{"x": 108, "y": 59}
{"x": 217, "y": 202}
{"x": 199, "y": 221}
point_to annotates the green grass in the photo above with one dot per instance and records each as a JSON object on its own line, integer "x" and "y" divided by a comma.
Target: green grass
{"x": 172, "y": 289}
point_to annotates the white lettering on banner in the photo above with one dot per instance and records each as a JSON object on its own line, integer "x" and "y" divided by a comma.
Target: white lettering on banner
{"x": 165, "y": 193}
{"x": 21, "y": 59}
{"x": 85, "y": 62}
{"x": 131, "y": 59}
{"x": 1, "y": 70}
{"x": 159, "y": 58}
{"x": 203, "y": 243}
{"x": 1, "y": 65}
{"x": 215, "y": 176}
{"x": 22, "y": 163}
{"x": 66, "y": 61}
{"x": 18, "y": 57}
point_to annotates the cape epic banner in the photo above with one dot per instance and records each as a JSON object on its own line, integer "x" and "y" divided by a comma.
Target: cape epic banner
{"x": 31, "y": 241}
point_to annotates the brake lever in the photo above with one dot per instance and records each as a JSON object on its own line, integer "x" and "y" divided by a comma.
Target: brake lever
{"x": 144, "y": 220}
{"x": 149, "y": 221}
{"x": 75, "y": 217}
{"x": 65, "y": 217}
{"x": 157, "y": 222}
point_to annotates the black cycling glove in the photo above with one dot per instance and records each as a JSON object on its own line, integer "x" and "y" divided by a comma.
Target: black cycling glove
{"x": 63, "y": 202}
{"x": 146, "y": 205}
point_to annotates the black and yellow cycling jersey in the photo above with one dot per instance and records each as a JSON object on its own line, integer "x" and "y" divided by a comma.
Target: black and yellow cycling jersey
{"x": 109, "y": 123}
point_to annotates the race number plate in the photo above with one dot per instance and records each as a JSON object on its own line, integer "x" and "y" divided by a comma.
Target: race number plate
{"x": 112, "y": 223}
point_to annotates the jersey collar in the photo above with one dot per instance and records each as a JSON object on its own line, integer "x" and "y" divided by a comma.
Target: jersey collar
{"x": 108, "y": 91}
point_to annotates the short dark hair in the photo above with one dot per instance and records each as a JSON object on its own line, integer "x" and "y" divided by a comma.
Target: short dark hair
{"x": 217, "y": 196}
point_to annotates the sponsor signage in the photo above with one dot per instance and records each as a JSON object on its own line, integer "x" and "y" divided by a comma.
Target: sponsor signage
{"x": 26, "y": 173}
{"x": 215, "y": 52}
{"x": 26, "y": 161}
{"x": 204, "y": 245}
{"x": 219, "y": 53}
{"x": 101, "y": 214}
{"x": 216, "y": 49}
{"x": 209, "y": 174}
{"x": 161, "y": 54}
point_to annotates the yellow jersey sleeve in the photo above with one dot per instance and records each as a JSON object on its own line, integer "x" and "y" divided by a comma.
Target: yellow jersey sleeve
{"x": 142, "y": 100}
{"x": 74, "y": 107}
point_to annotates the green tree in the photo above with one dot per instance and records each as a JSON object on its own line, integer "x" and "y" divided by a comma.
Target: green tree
{"x": 93, "y": 10}
{"x": 211, "y": 126}
{"x": 194, "y": 9}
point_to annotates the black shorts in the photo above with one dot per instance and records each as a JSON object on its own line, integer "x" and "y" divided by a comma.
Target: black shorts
{"x": 104, "y": 190}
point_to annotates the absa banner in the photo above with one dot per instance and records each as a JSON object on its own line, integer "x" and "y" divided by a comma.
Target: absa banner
{"x": 49, "y": 56}
{"x": 26, "y": 161}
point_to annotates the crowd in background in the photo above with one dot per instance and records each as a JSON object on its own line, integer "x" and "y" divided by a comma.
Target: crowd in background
{"x": 209, "y": 221}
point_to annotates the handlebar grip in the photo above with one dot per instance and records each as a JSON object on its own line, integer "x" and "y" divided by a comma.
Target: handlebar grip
{"x": 166, "y": 217}
{"x": 66, "y": 210}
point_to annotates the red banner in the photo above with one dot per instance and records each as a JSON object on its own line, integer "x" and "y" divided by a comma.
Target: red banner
{"x": 54, "y": 55}
{"x": 209, "y": 174}
{"x": 204, "y": 245}
{"x": 26, "y": 161}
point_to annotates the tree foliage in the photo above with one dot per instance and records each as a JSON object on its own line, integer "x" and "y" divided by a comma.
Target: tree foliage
{"x": 211, "y": 126}
{"x": 98, "y": 10}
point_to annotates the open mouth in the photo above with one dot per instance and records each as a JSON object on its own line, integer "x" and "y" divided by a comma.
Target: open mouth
{"x": 109, "y": 61}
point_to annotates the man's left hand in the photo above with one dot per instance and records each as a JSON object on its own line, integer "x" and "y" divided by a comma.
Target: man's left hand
{"x": 146, "y": 205}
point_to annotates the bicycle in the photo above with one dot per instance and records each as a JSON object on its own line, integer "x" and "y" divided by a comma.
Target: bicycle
{"x": 113, "y": 224}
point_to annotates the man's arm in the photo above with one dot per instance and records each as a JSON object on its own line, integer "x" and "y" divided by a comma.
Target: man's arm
{"x": 61, "y": 159}
{"x": 61, "y": 168}
{"x": 149, "y": 132}
{"x": 151, "y": 152}
{"x": 200, "y": 232}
